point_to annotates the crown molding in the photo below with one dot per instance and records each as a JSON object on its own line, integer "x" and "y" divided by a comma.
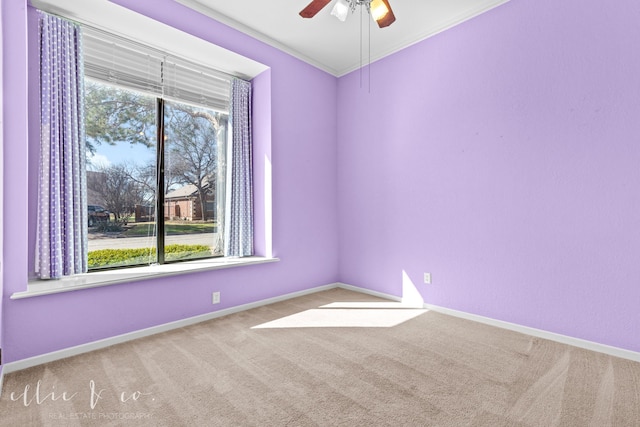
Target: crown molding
{"x": 417, "y": 38}
{"x": 409, "y": 41}
{"x": 230, "y": 22}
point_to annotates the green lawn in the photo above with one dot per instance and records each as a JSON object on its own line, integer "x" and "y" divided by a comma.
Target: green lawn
{"x": 171, "y": 228}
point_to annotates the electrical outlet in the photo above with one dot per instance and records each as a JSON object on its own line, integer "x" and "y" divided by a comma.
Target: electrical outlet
{"x": 427, "y": 278}
{"x": 215, "y": 298}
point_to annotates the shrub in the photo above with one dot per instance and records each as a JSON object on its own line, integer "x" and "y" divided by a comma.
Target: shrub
{"x": 120, "y": 257}
{"x": 177, "y": 252}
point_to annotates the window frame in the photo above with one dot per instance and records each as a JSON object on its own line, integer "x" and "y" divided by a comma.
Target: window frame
{"x": 162, "y": 64}
{"x": 129, "y": 24}
{"x": 160, "y": 203}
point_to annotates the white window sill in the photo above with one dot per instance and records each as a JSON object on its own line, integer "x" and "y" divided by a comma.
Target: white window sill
{"x": 110, "y": 277}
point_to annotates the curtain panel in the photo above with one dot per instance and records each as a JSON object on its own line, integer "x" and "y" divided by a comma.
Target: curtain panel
{"x": 61, "y": 241}
{"x": 238, "y": 235}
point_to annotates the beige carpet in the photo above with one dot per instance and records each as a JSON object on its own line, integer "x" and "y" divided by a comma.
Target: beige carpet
{"x": 292, "y": 364}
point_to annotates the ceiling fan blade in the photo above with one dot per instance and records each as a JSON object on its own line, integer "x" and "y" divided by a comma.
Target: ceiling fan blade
{"x": 387, "y": 19}
{"x": 314, "y": 7}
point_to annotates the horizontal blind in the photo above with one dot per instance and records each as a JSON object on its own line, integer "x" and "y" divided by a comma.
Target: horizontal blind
{"x": 113, "y": 60}
{"x": 194, "y": 84}
{"x": 120, "y": 62}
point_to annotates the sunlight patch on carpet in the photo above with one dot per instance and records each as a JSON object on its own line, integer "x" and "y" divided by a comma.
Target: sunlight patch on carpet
{"x": 369, "y": 304}
{"x": 345, "y": 318}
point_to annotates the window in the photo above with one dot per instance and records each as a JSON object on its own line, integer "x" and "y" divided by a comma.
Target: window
{"x": 158, "y": 110}
{"x": 156, "y": 136}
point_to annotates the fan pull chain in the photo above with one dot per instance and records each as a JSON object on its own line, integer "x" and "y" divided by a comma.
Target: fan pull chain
{"x": 360, "y": 48}
{"x": 369, "y": 59}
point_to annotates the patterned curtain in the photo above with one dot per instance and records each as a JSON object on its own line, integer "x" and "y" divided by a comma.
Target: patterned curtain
{"x": 61, "y": 242}
{"x": 239, "y": 197}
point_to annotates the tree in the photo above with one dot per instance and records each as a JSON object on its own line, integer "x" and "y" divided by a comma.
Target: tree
{"x": 120, "y": 192}
{"x": 194, "y": 138}
{"x": 191, "y": 144}
{"x": 196, "y": 143}
{"x": 116, "y": 115}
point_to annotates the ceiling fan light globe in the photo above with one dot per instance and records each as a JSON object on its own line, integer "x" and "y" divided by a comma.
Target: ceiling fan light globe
{"x": 378, "y": 10}
{"x": 341, "y": 10}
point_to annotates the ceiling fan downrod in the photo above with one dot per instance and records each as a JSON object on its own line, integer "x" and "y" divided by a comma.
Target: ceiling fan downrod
{"x": 355, "y": 3}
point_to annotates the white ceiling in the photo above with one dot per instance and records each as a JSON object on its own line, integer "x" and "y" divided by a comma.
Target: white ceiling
{"x": 332, "y": 45}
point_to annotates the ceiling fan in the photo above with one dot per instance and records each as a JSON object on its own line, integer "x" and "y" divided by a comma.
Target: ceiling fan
{"x": 380, "y": 10}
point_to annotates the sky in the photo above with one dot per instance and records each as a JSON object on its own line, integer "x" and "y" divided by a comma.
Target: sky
{"x": 122, "y": 152}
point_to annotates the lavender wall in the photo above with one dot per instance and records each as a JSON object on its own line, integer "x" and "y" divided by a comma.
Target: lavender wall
{"x": 503, "y": 156}
{"x": 301, "y": 147}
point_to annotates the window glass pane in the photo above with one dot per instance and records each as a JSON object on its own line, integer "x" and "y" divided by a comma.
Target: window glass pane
{"x": 121, "y": 176}
{"x": 194, "y": 145}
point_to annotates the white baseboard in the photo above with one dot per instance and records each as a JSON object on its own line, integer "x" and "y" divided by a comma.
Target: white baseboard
{"x": 368, "y": 292}
{"x": 96, "y": 345}
{"x": 552, "y": 336}
{"x": 1, "y": 378}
